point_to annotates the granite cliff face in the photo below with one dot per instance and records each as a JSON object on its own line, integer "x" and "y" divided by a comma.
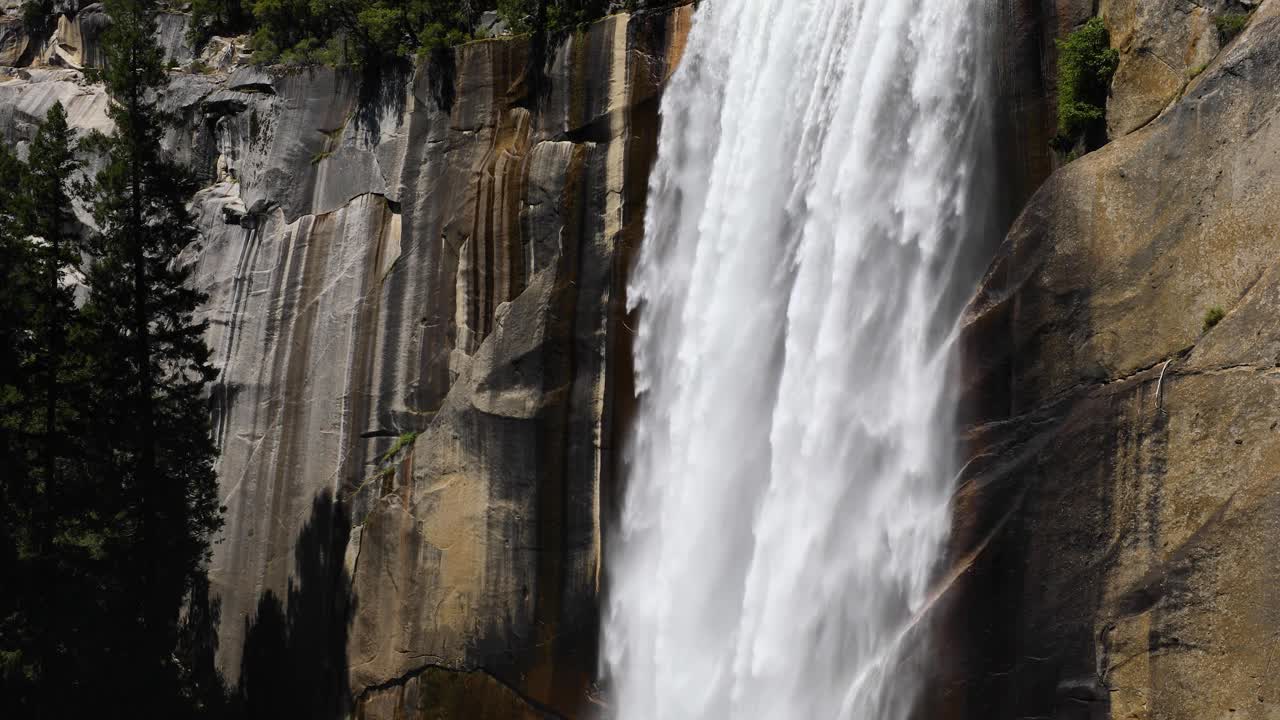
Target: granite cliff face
{"x": 1120, "y": 508}
{"x": 442, "y": 256}
{"x": 415, "y": 303}
{"x": 437, "y": 251}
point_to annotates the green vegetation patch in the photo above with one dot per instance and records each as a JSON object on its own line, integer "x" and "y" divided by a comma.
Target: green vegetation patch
{"x": 387, "y": 461}
{"x": 401, "y": 443}
{"x": 332, "y": 139}
{"x": 1086, "y": 62}
{"x": 368, "y": 33}
{"x": 1213, "y": 316}
{"x": 1230, "y": 25}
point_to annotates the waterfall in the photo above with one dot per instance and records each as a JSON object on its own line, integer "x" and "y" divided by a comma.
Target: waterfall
{"x": 820, "y": 172}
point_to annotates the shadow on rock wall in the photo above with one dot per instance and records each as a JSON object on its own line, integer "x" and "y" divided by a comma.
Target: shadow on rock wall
{"x": 382, "y": 94}
{"x": 295, "y": 651}
{"x": 197, "y": 649}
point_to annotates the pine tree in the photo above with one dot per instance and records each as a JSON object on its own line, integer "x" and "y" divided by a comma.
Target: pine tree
{"x": 46, "y": 219}
{"x": 43, "y": 500}
{"x": 53, "y": 516}
{"x": 17, "y": 666}
{"x": 150, "y": 366}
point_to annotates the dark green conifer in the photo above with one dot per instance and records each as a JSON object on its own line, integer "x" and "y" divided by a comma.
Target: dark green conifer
{"x": 150, "y": 365}
{"x": 47, "y": 220}
{"x": 47, "y": 503}
{"x": 54, "y": 509}
{"x": 18, "y": 668}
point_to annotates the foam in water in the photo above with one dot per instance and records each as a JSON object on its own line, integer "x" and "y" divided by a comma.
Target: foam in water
{"x": 790, "y": 466}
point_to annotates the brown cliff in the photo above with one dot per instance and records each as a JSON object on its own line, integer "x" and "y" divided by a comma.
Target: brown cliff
{"x": 438, "y": 251}
{"x": 1117, "y": 519}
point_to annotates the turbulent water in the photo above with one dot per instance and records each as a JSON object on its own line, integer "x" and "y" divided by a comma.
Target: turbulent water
{"x": 819, "y": 175}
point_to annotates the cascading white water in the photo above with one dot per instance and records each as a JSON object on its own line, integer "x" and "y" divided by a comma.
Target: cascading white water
{"x": 818, "y": 174}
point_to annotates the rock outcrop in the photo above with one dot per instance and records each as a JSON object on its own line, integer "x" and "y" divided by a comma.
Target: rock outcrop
{"x": 1120, "y": 507}
{"x": 1163, "y": 46}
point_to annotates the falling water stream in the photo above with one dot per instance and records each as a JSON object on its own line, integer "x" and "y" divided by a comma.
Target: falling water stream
{"x": 819, "y": 177}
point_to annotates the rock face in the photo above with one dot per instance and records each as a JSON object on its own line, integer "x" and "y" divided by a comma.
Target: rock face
{"x": 416, "y": 308}
{"x": 26, "y": 95}
{"x": 1026, "y": 91}
{"x": 1119, "y": 513}
{"x": 442, "y": 255}
{"x": 1163, "y": 45}
{"x": 13, "y": 40}
{"x": 441, "y": 252}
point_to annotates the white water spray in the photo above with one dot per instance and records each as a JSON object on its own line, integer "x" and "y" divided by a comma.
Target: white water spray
{"x": 818, "y": 177}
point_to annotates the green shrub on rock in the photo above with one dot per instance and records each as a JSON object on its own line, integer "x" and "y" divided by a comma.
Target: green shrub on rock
{"x": 1086, "y": 62}
{"x": 1230, "y": 25}
{"x": 402, "y": 442}
{"x": 1212, "y": 317}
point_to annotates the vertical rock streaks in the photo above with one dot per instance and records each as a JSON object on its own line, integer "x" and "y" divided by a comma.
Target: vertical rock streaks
{"x": 452, "y": 270}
